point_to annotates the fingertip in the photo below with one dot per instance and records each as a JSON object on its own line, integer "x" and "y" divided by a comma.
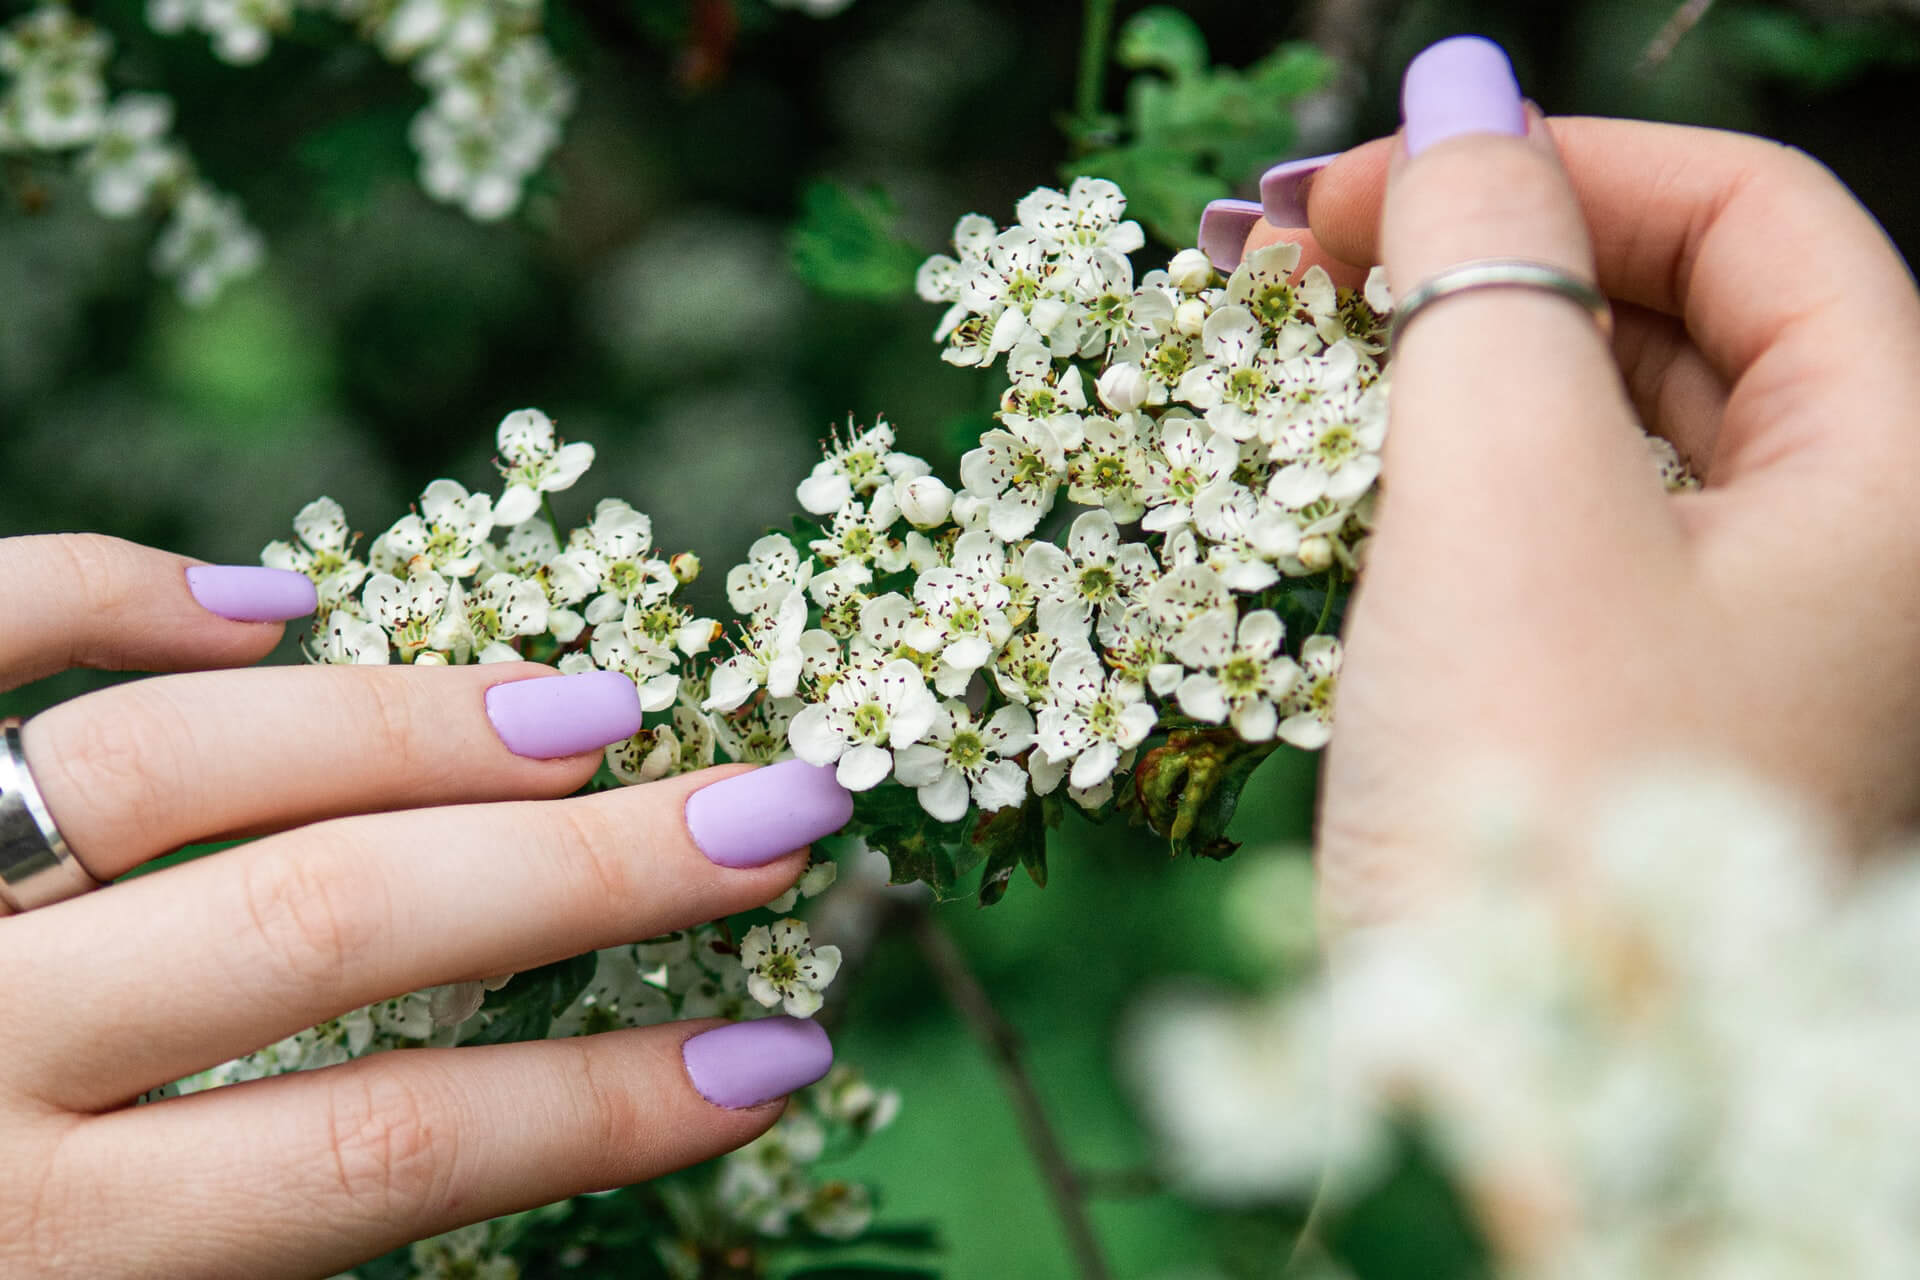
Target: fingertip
{"x": 1344, "y": 199}
{"x": 252, "y": 593}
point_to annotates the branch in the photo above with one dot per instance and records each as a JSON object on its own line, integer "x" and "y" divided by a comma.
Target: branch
{"x": 1670, "y": 34}
{"x": 1002, "y": 1044}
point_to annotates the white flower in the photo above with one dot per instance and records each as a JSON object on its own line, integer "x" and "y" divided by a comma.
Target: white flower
{"x": 1023, "y": 670}
{"x": 56, "y": 97}
{"x": 1239, "y": 385}
{"x": 814, "y": 881}
{"x": 619, "y": 996}
{"x": 1241, "y": 679}
{"x": 1016, "y": 470}
{"x": 1183, "y": 597}
{"x": 867, "y": 715}
{"x": 500, "y": 609}
{"x": 782, "y": 969}
{"x": 1096, "y": 572}
{"x": 206, "y": 244}
{"x": 322, "y": 550}
{"x": 925, "y": 501}
{"x": 757, "y": 734}
{"x": 352, "y": 639}
{"x": 1138, "y": 652}
{"x": 1105, "y": 470}
{"x": 609, "y": 555}
{"x": 131, "y": 158}
{"x": 773, "y": 570}
{"x": 1087, "y": 217}
{"x": 961, "y": 757}
{"x": 447, "y": 535}
{"x": 534, "y": 463}
{"x": 1038, "y": 390}
{"x": 775, "y": 651}
{"x": 860, "y": 531}
{"x": 1123, "y": 388}
{"x": 648, "y": 663}
{"x": 1292, "y": 312}
{"x": 1190, "y": 457}
{"x": 413, "y": 612}
{"x": 1335, "y": 455}
{"x": 855, "y": 467}
{"x": 1190, "y": 271}
{"x": 1249, "y": 536}
{"x": 1310, "y": 723}
{"x": 1093, "y": 718}
{"x": 962, "y": 612}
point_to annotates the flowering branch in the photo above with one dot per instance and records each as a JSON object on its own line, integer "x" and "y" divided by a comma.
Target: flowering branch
{"x": 1066, "y": 1188}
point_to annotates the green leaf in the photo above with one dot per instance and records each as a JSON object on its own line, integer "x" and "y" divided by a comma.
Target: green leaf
{"x": 525, "y": 1008}
{"x": 844, "y": 244}
{"x": 1414, "y": 1222}
{"x": 1009, "y": 838}
{"x": 1162, "y": 39}
{"x": 1189, "y": 787}
{"x": 864, "y": 1271}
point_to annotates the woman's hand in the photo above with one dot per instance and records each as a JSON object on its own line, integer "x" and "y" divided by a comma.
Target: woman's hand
{"x": 1533, "y": 600}
{"x": 366, "y": 892}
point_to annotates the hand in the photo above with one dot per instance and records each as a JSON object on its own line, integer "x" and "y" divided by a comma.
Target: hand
{"x": 115, "y": 992}
{"x": 1532, "y": 596}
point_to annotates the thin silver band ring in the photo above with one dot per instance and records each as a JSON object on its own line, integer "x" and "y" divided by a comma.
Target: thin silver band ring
{"x": 36, "y": 866}
{"x": 1502, "y": 273}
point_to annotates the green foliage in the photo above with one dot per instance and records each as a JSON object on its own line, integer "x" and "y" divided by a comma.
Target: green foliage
{"x": 1413, "y": 1222}
{"x": 845, "y": 246}
{"x": 525, "y": 1008}
{"x": 1822, "y": 56}
{"x": 1192, "y": 131}
{"x": 1188, "y": 788}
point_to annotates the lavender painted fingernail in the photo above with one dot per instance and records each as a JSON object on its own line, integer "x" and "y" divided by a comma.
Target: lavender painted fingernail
{"x": 746, "y": 1063}
{"x": 1223, "y": 230}
{"x": 1283, "y": 189}
{"x": 750, "y": 819}
{"x": 1459, "y": 86}
{"x": 252, "y": 593}
{"x": 552, "y": 716}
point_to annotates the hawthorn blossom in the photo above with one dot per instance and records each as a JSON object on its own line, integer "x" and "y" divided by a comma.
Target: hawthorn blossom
{"x": 1096, "y": 572}
{"x": 855, "y": 467}
{"x": 1016, "y": 471}
{"x": 1290, "y": 311}
{"x": 534, "y": 463}
{"x": 962, "y": 759}
{"x": 866, "y": 717}
{"x": 206, "y": 244}
{"x": 1238, "y": 678}
{"x": 1023, "y": 670}
{"x": 772, "y": 571}
{"x": 131, "y": 158}
{"x": 500, "y": 609}
{"x": 784, "y": 969}
{"x": 1093, "y": 717}
{"x": 1191, "y": 457}
{"x": 323, "y": 550}
{"x": 414, "y": 612}
{"x": 445, "y": 535}
{"x": 609, "y": 559}
{"x": 1309, "y": 723}
{"x": 1333, "y": 456}
{"x": 774, "y": 651}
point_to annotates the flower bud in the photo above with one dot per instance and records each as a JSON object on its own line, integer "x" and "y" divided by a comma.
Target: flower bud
{"x": 925, "y": 501}
{"x": 1122, "y": 388}
{"x": 430, "y": 659}
{"x": 1316, "y": 553}
{"x": 685, "y": 567}
{"x": 1190, "y": 272}
{"x": 1190, "y": 317}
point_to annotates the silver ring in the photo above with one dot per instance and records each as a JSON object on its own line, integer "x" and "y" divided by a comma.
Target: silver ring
{"x": 36, "y": 866}
{"x": 1502, "y": 273}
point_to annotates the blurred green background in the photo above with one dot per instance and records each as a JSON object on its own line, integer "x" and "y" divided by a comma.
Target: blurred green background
{"x": 645, "y": 298}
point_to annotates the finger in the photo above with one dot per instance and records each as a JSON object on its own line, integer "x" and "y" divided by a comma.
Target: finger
{"x": 137, "y": 770}
{"x": 1231, "y": 229}
{"x": 92, "y": 601}
{"x": 1683, "y": 219}
{"x": 1507, "y": 408}
{"x": 1676, "y": 392}
{"x": 351, "y": 1161}
{"x": 201, "y": 963}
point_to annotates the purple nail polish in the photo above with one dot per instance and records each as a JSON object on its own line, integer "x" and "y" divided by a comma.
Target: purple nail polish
{"x": 251, "y": 593}
{"x": 746, "y": 1063}
{"x": 552, "y": 716}
{"x": 750, "y": 819}
{"x": 1283, "y": 189}
{"x": 1223, "y": 230}
{"x": 1459, "y": 86}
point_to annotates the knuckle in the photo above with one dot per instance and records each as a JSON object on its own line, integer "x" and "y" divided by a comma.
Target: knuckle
{"x": 310, "y": 918}
{"x": 126, "y": 744}
{"x": 597, "y": 856}
{"x": 388, "y": 715}
{"x": 391, "y": 1143}
{"x": 608, "y": 1117}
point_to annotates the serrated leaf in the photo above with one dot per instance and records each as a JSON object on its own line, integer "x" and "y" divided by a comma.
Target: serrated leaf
{"x": 525, "y": 1008}
{"x": 1162, "y": 39}
{"x": 844, "y": 244}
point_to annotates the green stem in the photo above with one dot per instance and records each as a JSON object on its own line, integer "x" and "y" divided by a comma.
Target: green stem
{"x": 1090, "y": 87}
{"x": 546, "y": 509}
{"x": 1326, "y": 610}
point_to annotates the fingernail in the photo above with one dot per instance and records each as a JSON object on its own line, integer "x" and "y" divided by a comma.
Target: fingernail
{"x": 744, "y": 1064}
{"x": 1459, "y": 86}
{"x": 251, "y": 593}
{"x": 750, "y": 819}
{"x": 1283, "y": 189}
{"x": 552, "y": 716}
{"x": 1223, "y": 230}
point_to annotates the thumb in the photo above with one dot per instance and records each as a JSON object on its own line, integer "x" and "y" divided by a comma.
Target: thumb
{"x": 1508, "y": 413}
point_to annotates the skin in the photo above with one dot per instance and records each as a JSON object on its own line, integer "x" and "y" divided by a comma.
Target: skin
{"x": 410, "y": 848}
{"x": 1537, "y": 614}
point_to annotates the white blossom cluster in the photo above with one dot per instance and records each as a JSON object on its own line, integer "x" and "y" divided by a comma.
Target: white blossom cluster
{"x": 499, "y": 96}
{"x": 55, "y": 100}
{"x": 1682, "y": 1048}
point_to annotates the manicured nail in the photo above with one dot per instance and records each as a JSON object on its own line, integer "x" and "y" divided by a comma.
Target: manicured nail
{"x": 1283, "y": 189}
{"x": 251, "y": 593}
{"x": 744, "y": 1064}
{"x": 1223, "y": 230}
{"x": 1463, "y": 85}
{"x": 750, "y": 819}
{"x": 552, "y": 716}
